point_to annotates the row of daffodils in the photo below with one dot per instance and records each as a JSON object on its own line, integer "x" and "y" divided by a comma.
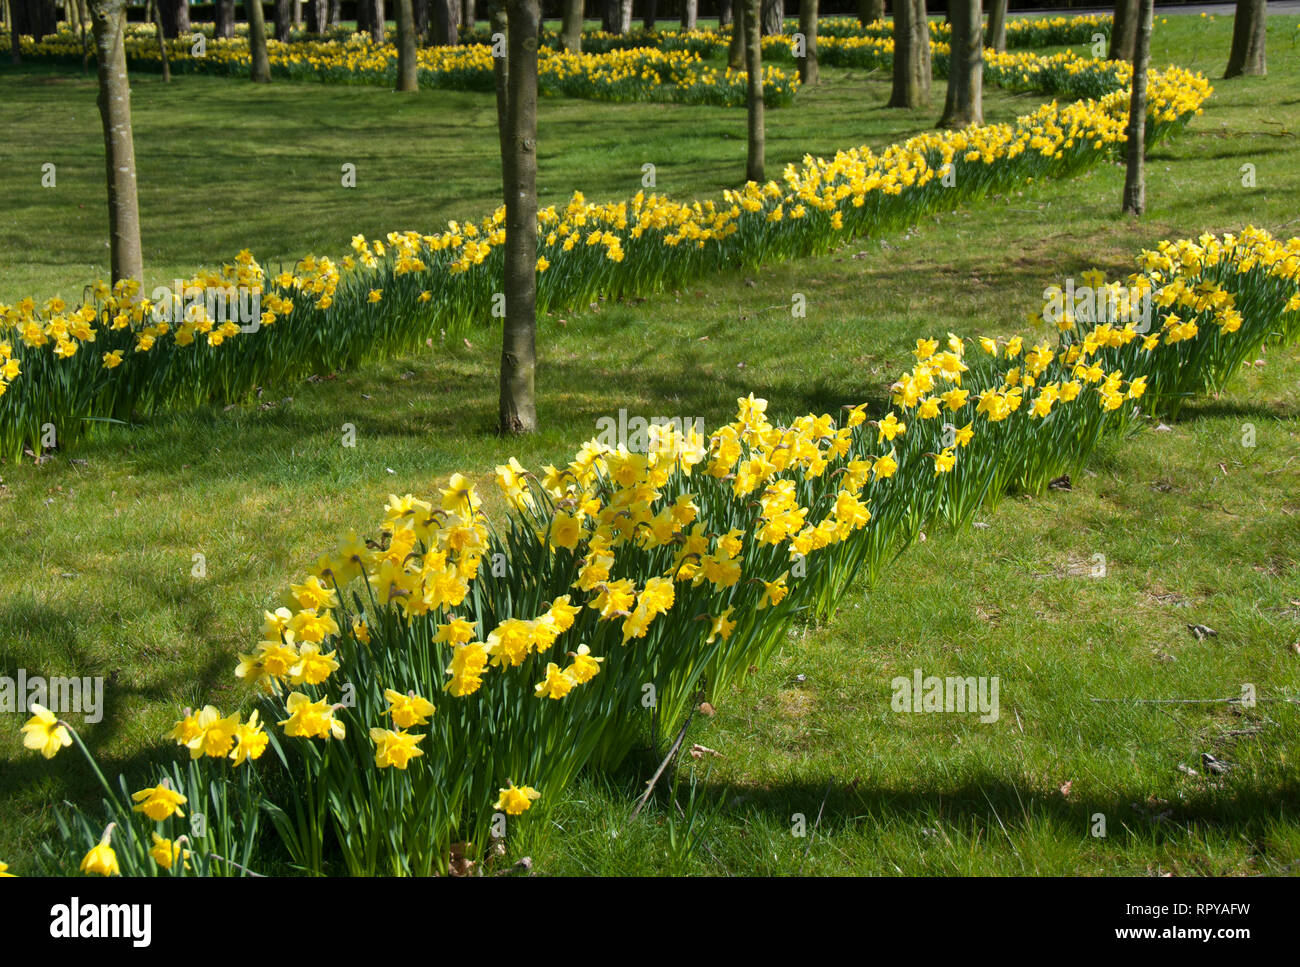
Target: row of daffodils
{"x": 66, "y": 370}
{"x": 638, "y": 66}
{"x": 435, "y": 687}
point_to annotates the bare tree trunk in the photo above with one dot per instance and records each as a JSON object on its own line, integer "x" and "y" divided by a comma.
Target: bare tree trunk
{"x": 336, "y": 13}
{"x": 377, "y": 22}
{"x": 175, "y": 16}
{"x": 725, "y": 8}
{"x": 997, "y": 32}
{"x": 260, "y": 69}
{"x": 518, "y": 407}
{"x": 151, "y": 11}
{"x": 624, "y": 16}
{"x": 365, "y": 13}
{"x": 911, "y": 87}
{"x": 736, "y": 49}
{"x": 1249, "y": 26}
{"x": 109, "y": 20}
{"x": 808, "y": 70}
{"x": 283, "y": 20}
{"x": 754, "y": 89}
{"x": 223, "y": 26}
{"x": 964, "y": 104}
{"x": 571, "y": 30}
{"x": 467, "y": 14}
{"x": 1123, "y": 30}
{"x": 1135, "y": 182}
{"x": 407, "y": 81}
{"x": 870, "y": 11}
{"x": 442, "y": 23}
{"x": 297, "y": 13}
{"x": 499, "y": 21}
{"x": 15, "y": 41}
{"x": 773, "y": 17}
{"x": 690, "y": 14}
{"x": 651, "y": 9}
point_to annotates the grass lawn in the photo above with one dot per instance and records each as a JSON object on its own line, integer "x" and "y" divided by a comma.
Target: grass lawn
{"x": 1194, "y": 527}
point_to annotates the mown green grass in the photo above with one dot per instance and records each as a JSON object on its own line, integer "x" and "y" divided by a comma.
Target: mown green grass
{"x": 95, "y": 568}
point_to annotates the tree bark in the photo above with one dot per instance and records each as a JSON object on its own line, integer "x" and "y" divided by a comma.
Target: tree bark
{"x": 297, "y": 13}
{"x": 467, "y": 14}
{"x": 175, "y": 16}
{"x": 420, "y": 17}
{"x": 283, "y": 20}
{"x": 1123, "y": 31}
{"x": 499, "y": 21}
{"x": 336, "y": 13}
{"x": 754, "y": 89}
{"x": 1135, "y": 187}
{"x": 377, "y": 21}
{"x": 365, "y": 13}
{"x": 651, "y": 12}
{"x": 911, "y": 75}
{"x": 260, "y": 69}
{"x": 109, "y": 23}
{"x": 725, "y": 8}
{"x": 151, "y": 11}
{"x": 223, "y": 26}
{"x": 736, "y": 48}
{"x": 808, "y": 70}
{"x": 443, "y": 17}
{"x": 1249, "y": 26}
{"x": 997, "y": 32}
{"x": 964, "y": 104}
{"x": 773, "y": 17}
{"x": 518, "y": 404}
{"x": 691, "y": 14}
{"x": 407, "y": 80}
{"x": 15, "y": 41}
{"x": 870, "y": 11}
{"x": 571, "y": 29}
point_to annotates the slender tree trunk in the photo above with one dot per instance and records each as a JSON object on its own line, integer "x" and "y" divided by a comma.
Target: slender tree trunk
{"x": 609, "y": 16}
{"x": 773, "y": 17}
{"x": 467, "y": 14}
{"x": 377, "y": 21}
{"x": 15, "y": 41}
{"x": 407, "y": 81}
{"x": 754, "y": 88}
{"x": 518, "y": 407}
{"x": 651, "y": 14}
{"x": 736, "y": 49}
{"x": 725, "y": 9}
{"x": 183, "y": 25}
{"x": 84, "y": 14}
{"x": 1123, "y": 31}
{"x": 420, "y": 18}
{"x": 690, "y": 14}
{"x": 223, "y": 24}
{"x": 624, "y": 16}
{"x": 109, "y": 23}
{"x": 499, "y": 21}
{"x": 283, "y": 20}
{"x": 365, "y": 13}
{"x": 297, "y": 13}
{"x": 997, "y": 32}
{"x": 260, "y": 69}
{"x": 336, "y": 13}
{"x": 911, "y": 75}
{"x": 571, "y": 29}
{"x": 870, "y": 11}
{"x": 151, "y": 11}
{"x": 442, "y": 23}
{"x": 1249, "y": 27}
{"x": 808, "y": 70}
{"x": 964, "y": 104}
{"x": 175, "y": 16}
{"x": 1135, "y": 182}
